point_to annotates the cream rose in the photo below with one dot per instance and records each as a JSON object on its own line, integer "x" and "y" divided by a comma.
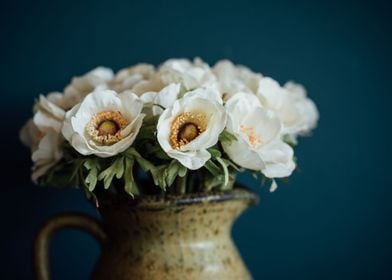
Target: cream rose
{"x": 258, "y": 131}
{"x": 192, "y": 125}
{"x": 104, "y": 123}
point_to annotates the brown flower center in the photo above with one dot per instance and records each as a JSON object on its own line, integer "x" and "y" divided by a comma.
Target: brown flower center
{"x": 185, "y": 128}
{"x": 106, "y": 127}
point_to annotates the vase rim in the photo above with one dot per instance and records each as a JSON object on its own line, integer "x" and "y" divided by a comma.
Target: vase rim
{"x": 164, "y": 201}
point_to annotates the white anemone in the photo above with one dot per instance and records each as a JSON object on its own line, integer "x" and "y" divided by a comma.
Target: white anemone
{"x": 104, "y": 123}
{"x": 42, "y": 135}
{"x": 235, "y": 78}
{"x": 83, "y": 85}
{"x": 192, "y": 125}
{"x": 258, "y": 132}
{"x": 135, "y": 77}
{"x": 161, "y": 100}
{"x": 190, "y": 74}
{"x": 283, "y": 103}
{"x": 306, "y": 106}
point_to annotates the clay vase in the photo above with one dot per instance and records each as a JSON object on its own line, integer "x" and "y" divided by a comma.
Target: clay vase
{"x": 160, "y": 237}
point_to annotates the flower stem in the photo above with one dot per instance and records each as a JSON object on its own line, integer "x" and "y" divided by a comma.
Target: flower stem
{"x": 181, "y": 184}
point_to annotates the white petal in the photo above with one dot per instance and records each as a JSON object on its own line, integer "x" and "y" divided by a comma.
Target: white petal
{"x": 168, "y": 95}
{"x": 241, "y": 154}
{"x": 192, "y": 160}
{"x": 67, "y": 129}
{"x": 45, "y": 122}
{"x": 278, "y": 159}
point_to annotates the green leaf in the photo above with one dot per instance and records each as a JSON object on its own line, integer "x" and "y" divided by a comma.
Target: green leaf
{"x": 225, "y": 171}
{"x": 158, "y": 174}
{"x": 182, "y": 171}
{"x": 93, "y": 168}
{"x": 213, "y": 168}
{"x": 116, "y": 169}
{"x": 172, "y": 172}
{"x": 144, "y": 164}
{"x": 290, "y": 140}
{"x": 214, "y": 152}
{"x": 213, "y": 182}
{"x": 182, "y": 92}
{"x": 130, "y": 185}
{"x": 227, "y": 136}
{"x": 233, "y": 165}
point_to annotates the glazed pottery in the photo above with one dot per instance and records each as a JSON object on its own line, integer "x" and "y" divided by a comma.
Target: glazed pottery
{"x": 160, "y": 237}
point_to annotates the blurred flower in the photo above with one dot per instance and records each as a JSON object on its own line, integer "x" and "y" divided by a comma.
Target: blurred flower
{"x": 258, "y": 131}
{"x": 135, "y": 77}
{"x": 42, "y": 135}
{"x": 83, "y": 85}
{"x": 190, "y": 74}
{"x": 283, "y": 103}
{"x": 232, "y": 79}
{"x": 306, "y": 107}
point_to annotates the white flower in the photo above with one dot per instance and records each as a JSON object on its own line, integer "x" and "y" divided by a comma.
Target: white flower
{"x": 232, "y": 79}
{"x": 30, "y": 135}
{"x": 190, "y": 74}
{"x": 306, "y": 106}
{"x": 133, "y": 77}
{"x": 48, "y": 115}
{"x": 162, "y": 99}
{"x": 283, "y": 103}
{"x": 42, "y": 135}
{"x": 104, "y": 123}
{"x": 258, "y": 132}
{"x": 83, "y": 85}
{"x": 47, "y": 154}
{"x": 191, "y": 126}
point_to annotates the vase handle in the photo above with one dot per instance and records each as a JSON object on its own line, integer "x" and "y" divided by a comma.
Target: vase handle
{"x": 41, "y": 244}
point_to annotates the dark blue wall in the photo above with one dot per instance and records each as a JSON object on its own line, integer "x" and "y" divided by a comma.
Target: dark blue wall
{"x": 333, "y": 219}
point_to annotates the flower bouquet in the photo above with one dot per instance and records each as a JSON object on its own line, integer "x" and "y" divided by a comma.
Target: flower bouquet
{"x": 183, "y": 129}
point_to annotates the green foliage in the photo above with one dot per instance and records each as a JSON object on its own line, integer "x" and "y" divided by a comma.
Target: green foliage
{"x": 164, "y": 175}
{"x": 115, "y": 169}
{"x": 92, "y": 166}
{"x": 227, "y": 136}
{"x": 290, "y": 140}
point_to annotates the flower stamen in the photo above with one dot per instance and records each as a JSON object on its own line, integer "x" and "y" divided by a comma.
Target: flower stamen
{"x": 185, "y": 128}
{"x": 253, "y": 140}
{"x": 106, "y": 127}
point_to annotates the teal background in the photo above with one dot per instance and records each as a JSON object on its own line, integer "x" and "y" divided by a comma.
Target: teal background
{"x": 331, "y": 221}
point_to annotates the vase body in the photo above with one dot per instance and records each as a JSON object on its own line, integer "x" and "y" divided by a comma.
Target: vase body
{"x": 187, "y": 237}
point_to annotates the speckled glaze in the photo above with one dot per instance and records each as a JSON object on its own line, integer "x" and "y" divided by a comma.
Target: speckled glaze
{"x": 187, "y": 237}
